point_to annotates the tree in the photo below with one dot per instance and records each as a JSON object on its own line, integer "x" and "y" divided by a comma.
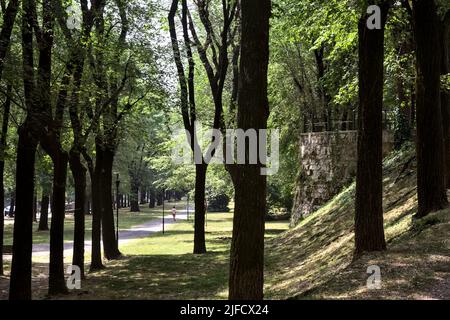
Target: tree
{"x": 136, "y": 171}
{"x": 9, "y": 17}
{"x": 29, "y": 133}
{"x": 216, "y": 72}
{"x": 44, "y": 179}
{"x": 444, "y": 29}
{"x": 74, "y": 74}
{"x": 431, "y": 187}
{"x": 3, "y": 145}
{"x": 247, "y": 247}
{"x": 369, "y": 229}
{"x": 188, "y": 110}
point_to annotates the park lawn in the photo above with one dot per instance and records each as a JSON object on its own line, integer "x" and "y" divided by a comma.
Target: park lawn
{"x": 162, "y": 266}
{"x": 127, "y": 220}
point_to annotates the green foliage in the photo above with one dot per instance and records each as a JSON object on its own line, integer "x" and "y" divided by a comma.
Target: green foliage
{"x": 218, "y": 203}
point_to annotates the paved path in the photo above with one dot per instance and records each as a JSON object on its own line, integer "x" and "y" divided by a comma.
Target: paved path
{"x": 126, "y": 235}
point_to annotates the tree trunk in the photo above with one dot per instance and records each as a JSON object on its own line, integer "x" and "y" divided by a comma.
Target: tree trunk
{"x": 96, "y": 251}
{"x": 20, "y": 283}
{"x": 134, "y": 196}
{"x": 247, "y": 248}
{"x": 12, "y": 204}
{"x": 110, "y": 245}
{"x": 199, "y": 224}
{"x": 35, "y": 206}
{"x": 445, "y": 96}
{"x": 3, "y": 145}
{"x": 43, "y": 217}
{"x": 79, "y": 178}
{"x": 57, "y": 284}
{"x": 159, "y": 199}
{"x": 143, "y": 197}
{"x": 151, "y": 203}
{"x": 369, "y": 229}
{"x": 430, "y": 138}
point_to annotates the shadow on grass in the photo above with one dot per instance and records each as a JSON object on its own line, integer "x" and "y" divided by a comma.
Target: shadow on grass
{"x": 183, "y": 276}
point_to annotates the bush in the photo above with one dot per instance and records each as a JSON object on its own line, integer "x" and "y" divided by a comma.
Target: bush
{"x": 218, "y": 203}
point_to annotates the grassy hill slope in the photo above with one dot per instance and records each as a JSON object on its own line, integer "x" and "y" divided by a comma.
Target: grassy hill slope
{"x": 314, "y": 259}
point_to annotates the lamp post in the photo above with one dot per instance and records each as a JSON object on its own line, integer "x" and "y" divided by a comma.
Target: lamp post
{"x": 163, "y": 196}
{"x": 117, "y": 208}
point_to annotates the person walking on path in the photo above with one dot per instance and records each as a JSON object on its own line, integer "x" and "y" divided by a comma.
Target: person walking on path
{"x": 174, "y": 213}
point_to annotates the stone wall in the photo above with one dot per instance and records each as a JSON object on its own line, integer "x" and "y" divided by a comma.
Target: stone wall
{"x": 328, "y": 163}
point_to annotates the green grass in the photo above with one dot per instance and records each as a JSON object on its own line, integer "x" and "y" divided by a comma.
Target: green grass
{"x": 314, "y": 259}
{"x": 162, "y": 266}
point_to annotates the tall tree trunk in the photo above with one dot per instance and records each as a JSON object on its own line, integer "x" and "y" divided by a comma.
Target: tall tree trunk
{"x": 151, "y": 203}
{"x": 79, "y": 178}
{"x": 96, "y": 251}
{"x": 159, "y": 199}
{"x": 430, "y": 138}
{"x": 445, "y": 96}
{"x": 199, "y": 222}
{"x": 247, "y": 246}
{"x": 12, "y": 204}
{"x": 29, "y": 132}
{"x": 134, "y": 196}
{"x": 35, "y": 206}
{"x": 9, "y": 17}
{"x": 43, "y": 217}
{"x": 369, "y": 229}
{"x": 57, "y": 284}
{"x": 110, "y": 245}
{"x": 20, "y": 283}
{"x": 143, "y": 196}
{"x": 3, "y": 145}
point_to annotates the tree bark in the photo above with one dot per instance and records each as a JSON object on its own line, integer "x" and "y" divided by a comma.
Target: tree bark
{"x": 3, "y": 145}
{"x": 20, "y": 283}
{"x": 143, "y": 197}
{"x": 110, "y": 245}
{"x": 12, "y": 204}
{"x": 9, "y": 17}
{"x": 199, "y": 222}
{"x": 79, "y": 178}
{"x": 369, "y": 229}
{"x": 445, "y": 96}
{"x": 57, "y": 284}
{"x": 35, "y": 206}
{"x": 247, "y": 248}
{"x": 29, "y": 132}
{"x": 431, "y": 186}
{"x": 96, "y": 251}
{"x": 43, "y": 217}
{"x": 159, "y": 198}
{"x": 134, "y": 207}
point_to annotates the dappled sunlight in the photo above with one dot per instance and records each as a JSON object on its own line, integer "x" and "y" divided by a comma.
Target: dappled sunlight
{"x": 314, "y": 260}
